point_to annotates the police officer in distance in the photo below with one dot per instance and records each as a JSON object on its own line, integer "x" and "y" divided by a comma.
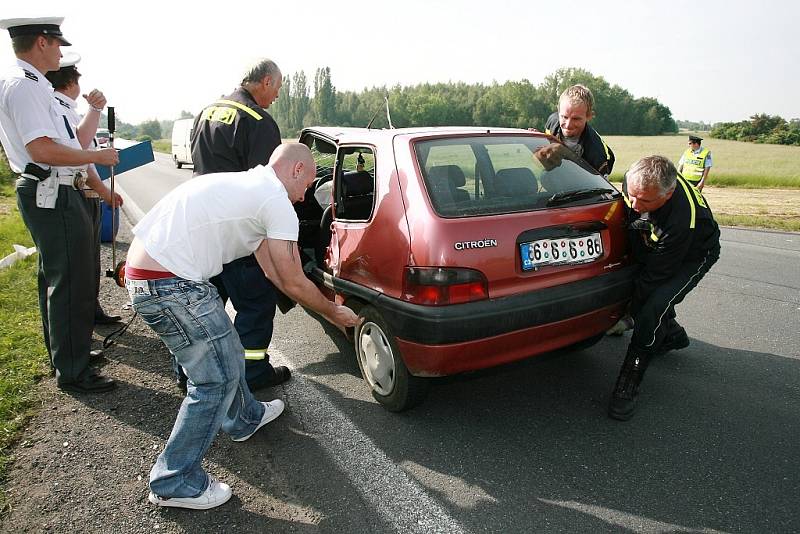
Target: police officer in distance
{"x": 42, "y": 147}
{"x": 695, "y": 163}
{"x": 676, "y": 241}
{"x": 235, "y": 134}
{"x": 67, "y": 89}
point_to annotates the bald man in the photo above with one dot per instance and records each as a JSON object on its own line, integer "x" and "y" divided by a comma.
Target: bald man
{"x": 178, "y": 246}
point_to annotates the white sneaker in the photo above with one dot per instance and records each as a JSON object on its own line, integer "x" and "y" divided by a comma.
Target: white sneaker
{"x": 215, "y": 494}
{"x": 271, "y": 412}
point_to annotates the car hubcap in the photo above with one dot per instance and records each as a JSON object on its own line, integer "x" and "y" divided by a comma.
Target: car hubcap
{"x": 376, "y": 357}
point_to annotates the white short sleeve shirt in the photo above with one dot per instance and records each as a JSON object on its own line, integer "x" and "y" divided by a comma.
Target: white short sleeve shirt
{"x": 214, "y": 219}
{"x": 28, "y": 111}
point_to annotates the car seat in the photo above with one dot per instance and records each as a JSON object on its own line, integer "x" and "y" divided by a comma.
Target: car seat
{"x": 358, "y": 191}
{"x": 445, "y": 182}
{"x": 516, "y": 182}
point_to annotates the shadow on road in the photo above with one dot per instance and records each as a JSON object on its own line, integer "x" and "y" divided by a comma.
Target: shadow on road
{"x": 713, "y": 446}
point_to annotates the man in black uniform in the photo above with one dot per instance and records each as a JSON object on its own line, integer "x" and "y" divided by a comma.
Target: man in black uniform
{"x": 676, "y": 240}
{"x": 235, "y": 134}
{"x": 570, "y": 126}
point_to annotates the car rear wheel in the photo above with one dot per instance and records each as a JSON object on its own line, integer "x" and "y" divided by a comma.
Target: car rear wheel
{"x": 382, "y": 366}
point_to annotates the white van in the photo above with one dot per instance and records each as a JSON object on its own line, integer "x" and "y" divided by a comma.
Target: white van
{"x": 181, "y": 142}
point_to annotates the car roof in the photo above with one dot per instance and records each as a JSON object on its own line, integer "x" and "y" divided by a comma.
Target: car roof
{"x": 345, "y": 135}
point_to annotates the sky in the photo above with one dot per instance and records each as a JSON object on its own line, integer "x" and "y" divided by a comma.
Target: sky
{"x": 707, "y": 61}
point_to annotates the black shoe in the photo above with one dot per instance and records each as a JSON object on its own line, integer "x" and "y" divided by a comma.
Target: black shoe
{"x": 626, "y": 392}
{"x": 675, "y": 341}
{"x": 96, "y": 356}
{"x": 92, "y": 382}
{"x": 100, "y": 317}
{"x": 282, "y": 374}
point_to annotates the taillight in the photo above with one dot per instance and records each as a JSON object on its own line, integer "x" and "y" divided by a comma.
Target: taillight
{"x": 436, "y": 286}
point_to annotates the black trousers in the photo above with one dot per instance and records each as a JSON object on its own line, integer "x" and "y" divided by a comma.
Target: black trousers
{"x": 63, "y": 238}
{"x": 96, "y": 217}
{"x": 655, "y": 317}
{"x": 254, "y": 298}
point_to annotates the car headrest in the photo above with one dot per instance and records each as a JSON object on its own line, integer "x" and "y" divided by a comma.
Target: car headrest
{"x": 452, "y": 173}
{"x": 516, "y": 181}
{"x": 357, "y": 183}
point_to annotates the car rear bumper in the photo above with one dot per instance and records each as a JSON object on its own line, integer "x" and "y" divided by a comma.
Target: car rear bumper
{"x": 435, "y": 325}
{"x": 442, "y": 360}
{"x": 498, "y": 330}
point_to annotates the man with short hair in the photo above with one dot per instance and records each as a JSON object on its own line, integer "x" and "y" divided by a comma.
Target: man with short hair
{"x": 695, "y": 163}
{"x": 676, "y": 240}
{"x": 235, "y": 134}
{"x": 570, "y": 126}
{"x": 43, "y": 148}
{"x": 67, "y": 88}
{"x": 180, "y": 244}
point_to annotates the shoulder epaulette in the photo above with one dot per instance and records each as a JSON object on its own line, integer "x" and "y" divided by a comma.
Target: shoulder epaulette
{"x": 30, "y": 75}
{"x": 63, "y": 103}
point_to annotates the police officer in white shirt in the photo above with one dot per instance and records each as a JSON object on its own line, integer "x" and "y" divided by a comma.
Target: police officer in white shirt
{"x": 67, "y": 90}
{"x": 43, "y": 149}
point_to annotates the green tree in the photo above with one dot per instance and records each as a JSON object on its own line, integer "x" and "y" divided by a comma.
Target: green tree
{"x": 324, "y": 102}
{"x": 151, "y": 129}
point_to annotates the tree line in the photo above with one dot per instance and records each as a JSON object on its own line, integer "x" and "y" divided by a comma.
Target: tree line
{"x": 521, "y": 104}
{"x": 760, "y": 128}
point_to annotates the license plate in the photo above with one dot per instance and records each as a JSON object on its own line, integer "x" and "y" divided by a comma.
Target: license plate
{"x": 561, "y": 251}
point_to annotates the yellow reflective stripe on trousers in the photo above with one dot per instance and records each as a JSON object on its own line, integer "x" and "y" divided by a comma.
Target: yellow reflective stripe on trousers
{"x": 255, "y": 354}
{"x": 242, "y": 107}
{"x": 689, "y": 197}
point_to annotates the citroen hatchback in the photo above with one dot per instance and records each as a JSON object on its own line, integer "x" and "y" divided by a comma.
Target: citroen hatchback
{"x": 461, "y": 248}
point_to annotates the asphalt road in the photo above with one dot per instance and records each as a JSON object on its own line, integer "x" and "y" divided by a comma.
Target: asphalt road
{"x": 528, "y": 447}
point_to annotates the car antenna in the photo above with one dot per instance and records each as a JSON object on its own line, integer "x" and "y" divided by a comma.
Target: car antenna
{"x": 375, "y": 115}
{"x": 388, "y": 116}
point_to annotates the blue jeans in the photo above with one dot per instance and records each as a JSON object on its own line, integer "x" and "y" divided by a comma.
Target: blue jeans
{"x": 191, "y": 321}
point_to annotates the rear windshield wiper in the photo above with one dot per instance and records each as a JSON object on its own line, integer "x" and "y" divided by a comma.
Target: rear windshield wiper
{"x": 570, "y": 196}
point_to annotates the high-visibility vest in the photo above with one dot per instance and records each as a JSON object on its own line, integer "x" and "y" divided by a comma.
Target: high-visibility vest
{"x": 693, "y": 165}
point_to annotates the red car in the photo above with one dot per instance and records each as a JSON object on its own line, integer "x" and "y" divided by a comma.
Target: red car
{"x": 462, "y": 248}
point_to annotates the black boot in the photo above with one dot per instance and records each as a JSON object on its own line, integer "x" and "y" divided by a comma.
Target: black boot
{"x": 101, "y": 317}
{"x": 626, "y": 392}
{"x": 676, "y": 340}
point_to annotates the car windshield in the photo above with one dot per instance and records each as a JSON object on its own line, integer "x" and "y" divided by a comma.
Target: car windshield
{"x": 487, "y": 175}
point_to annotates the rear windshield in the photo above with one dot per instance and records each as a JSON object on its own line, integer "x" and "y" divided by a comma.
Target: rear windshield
{"x": 486, "y": 175}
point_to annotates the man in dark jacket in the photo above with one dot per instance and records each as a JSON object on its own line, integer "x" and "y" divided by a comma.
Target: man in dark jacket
{"x": 570, "y": 126}
{"x": 676, "y": 240}
{"x": 235, "y": 134}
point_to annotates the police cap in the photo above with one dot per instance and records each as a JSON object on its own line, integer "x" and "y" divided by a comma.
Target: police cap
{"x": 695, "y": 139}
{"x": 48, "y": 26}
{"x": 69, "y": 59}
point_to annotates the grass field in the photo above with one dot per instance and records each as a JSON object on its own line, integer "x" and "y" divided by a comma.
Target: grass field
{"x": 162, "y": 145}
{"x": 736, "y": 164}
{"x": 23, "y": 360}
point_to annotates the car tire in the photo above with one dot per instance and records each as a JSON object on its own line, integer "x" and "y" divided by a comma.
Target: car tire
{"x": 177, "y": 163}
{"x": 382, "y": 365}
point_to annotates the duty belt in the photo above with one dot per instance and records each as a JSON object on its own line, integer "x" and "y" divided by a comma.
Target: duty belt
{"x": 75, "y": 179}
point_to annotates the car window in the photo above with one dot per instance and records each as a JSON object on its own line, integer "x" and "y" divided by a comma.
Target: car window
{"x": 355, "y": 186}
{"x": 324, "y": 155}
{"x": 486, "y": 175}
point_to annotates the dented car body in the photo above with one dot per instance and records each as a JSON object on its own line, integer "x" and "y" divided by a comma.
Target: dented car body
{"x": 462, "y": 248}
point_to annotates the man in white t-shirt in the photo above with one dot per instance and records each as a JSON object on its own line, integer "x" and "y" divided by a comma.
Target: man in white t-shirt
{"x": 179, "y": 245}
